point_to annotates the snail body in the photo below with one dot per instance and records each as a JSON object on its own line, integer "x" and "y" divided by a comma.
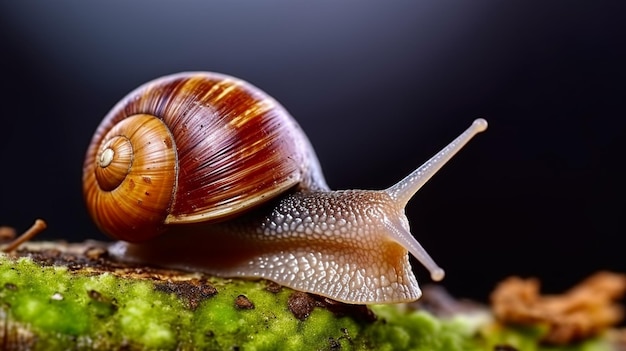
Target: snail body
{"x": 204, "y": 171}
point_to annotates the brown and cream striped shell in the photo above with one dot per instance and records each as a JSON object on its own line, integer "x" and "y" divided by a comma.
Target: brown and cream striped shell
{"x": 192, "y": 147}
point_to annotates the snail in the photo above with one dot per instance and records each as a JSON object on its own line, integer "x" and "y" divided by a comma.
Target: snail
{"x": 206, "y": 172}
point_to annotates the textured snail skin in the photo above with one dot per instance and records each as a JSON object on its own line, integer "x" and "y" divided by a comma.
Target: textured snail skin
{"x": 205, "y": 172}
{"x": 309, "y": 241}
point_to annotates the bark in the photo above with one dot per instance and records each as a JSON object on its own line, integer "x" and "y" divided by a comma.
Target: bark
{"x": 72, "y": 296}
{"x": 60, "y": 296}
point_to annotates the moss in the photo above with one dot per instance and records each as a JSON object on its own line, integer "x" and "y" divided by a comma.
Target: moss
{"x": 102, "y": 307}
{"x": 419, "y": 330}
{"x": 67, "y": 307}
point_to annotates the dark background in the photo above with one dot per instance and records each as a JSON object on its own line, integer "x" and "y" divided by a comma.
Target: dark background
{"x": 378, "y": 87}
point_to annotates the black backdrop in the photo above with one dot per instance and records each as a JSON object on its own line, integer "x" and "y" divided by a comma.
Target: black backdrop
{"x": 378, "y": 87}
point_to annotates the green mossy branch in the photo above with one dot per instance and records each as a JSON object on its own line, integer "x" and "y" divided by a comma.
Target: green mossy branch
{"x": 57, "y": 296}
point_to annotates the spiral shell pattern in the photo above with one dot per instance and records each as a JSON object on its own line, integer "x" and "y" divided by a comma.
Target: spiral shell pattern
{"x": 191, "y": 147}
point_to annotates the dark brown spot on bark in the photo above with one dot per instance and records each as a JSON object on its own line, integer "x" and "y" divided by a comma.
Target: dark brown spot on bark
{"x": 192, "y": 292}
{"x": 131, "y": 184}
{"x": 147, "y": 180}
{"x": 273, "y": 287}
{"x": 301, "y": 304}
{"x": 243, "y": 303}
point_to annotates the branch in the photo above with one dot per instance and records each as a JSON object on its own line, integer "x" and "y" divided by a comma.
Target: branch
{"x": 60, "y": 296}
{"x": 56, "y": 296}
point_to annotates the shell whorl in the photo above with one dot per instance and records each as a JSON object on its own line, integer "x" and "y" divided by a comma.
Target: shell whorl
{"x": 131, "y": 177}
{"x": 224, "y": 144}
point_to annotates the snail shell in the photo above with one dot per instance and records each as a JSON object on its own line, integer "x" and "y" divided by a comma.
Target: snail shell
{"x": 204, "y": 171}
{"x": 176, "y": 151}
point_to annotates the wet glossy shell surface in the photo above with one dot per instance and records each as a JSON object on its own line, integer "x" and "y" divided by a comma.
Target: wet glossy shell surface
{"x": 225, "y": 144}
